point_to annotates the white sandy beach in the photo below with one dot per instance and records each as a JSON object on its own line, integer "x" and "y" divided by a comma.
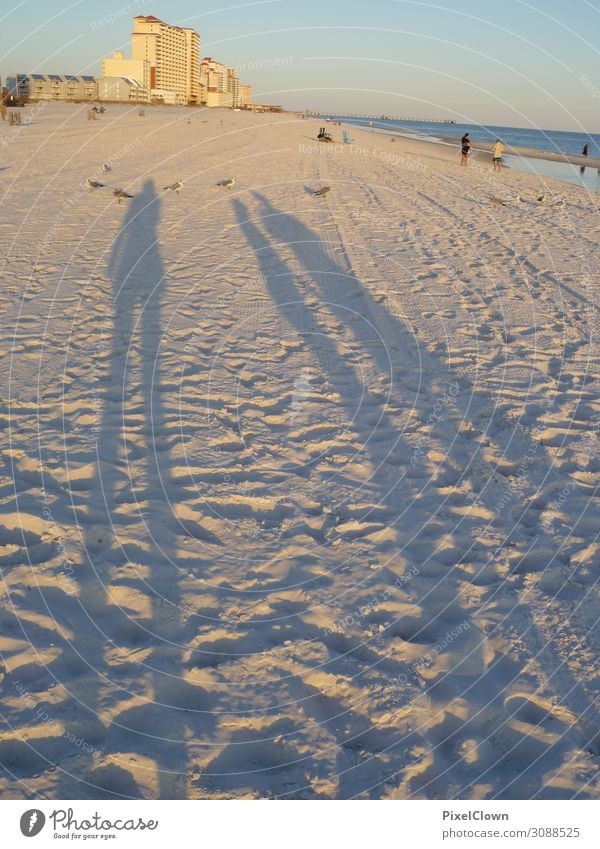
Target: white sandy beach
{"x": 299, "y": 494}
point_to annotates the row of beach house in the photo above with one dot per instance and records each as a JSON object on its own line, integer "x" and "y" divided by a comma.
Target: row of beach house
{"x": 164, "y": 67}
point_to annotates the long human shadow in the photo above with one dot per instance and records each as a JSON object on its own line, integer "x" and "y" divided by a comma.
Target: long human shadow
{"x": 287, "y": 229}
{"x": 154, "y": 726}
{"x": 281, "y": 281}
{"x": 326, "y": 273}
{"x": 291, "y": 299}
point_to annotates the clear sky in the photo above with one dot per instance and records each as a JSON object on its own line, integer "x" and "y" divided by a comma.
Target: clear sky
{"x": 514, "y": 62}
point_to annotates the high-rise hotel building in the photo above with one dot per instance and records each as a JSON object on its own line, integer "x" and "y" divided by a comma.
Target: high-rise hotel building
{"x": 172, "y": 54}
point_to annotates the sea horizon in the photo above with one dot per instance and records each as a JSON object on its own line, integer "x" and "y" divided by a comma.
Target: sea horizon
{"x": 546, "y": 141}
{"x": 559, "y": 141}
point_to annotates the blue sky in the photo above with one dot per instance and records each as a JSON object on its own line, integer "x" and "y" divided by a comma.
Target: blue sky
{"x": 516, "y": 62}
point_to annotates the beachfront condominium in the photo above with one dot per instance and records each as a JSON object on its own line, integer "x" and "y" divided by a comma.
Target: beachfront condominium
{"x": 118, "y": 66}
{"x": 122, "y": 90}
{"x": 221, "y": 85}
{"x": 52, "y": 87}
{"x": 245, "y": 95}
{"x": 213, "y": 76}
{"x": 233, "y": 86}
{"x": 172, "y": 55}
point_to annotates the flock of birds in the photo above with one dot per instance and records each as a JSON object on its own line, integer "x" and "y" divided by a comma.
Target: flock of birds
{"x": 121, "y": 194}
{"x": 176, "y": 187}
{"x": 556, "y": 200}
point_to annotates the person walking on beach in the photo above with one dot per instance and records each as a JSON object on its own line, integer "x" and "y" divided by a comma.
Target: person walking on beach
{"x": 497, "y": 151}
{"x": 584, "y": 152}
{"x": 465, "y": 149}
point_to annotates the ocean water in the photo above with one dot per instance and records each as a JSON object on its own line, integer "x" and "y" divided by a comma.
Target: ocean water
{"x": 557, "y": 141}
{"x": 589, "y": 179}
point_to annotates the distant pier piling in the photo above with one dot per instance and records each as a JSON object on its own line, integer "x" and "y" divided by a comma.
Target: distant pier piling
{"x": 383, "y": 118}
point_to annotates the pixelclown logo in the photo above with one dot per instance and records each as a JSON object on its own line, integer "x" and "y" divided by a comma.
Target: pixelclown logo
{"x": 32, "y": 822}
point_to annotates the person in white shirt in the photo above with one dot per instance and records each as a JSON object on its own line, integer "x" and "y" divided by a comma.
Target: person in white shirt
{"x": 497, "y": 151}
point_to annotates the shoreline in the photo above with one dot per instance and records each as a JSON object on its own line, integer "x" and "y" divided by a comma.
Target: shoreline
{"x": 485, "y": 147}
{"x": 533, "y": 153}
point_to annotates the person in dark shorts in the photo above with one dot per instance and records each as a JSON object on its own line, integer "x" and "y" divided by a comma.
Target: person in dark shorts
{"x": 585, "y": 152}
{"x": 465, "y": 149}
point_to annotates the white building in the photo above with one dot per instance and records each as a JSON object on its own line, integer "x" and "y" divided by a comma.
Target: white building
{"x": 233, "y": 87}
{"x": 172, "y": 54}
{"x": 124, "y": 89}
{"x": 245, "y": 95}
{"x": 52, "y": 86}
{"x": 119, "y": 66}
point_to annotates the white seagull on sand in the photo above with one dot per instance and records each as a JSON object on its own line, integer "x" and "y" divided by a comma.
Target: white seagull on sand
{"x": 227, "y": 183}
{"x": 93, "y": 184}
{"x": 107, "y": 167}
{"x": 120, "y": 194}
{"x": 175, "y": 187}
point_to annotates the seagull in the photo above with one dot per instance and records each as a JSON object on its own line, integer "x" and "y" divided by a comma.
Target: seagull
{"x": 559, "y": 202}
{"x": 322, "y": 191}
{"x": 498, "y": 201}
{"x": 175, "y": 187}
{"x": 120, "y": 194}
{"x": 107, "y": 167}
{"x": 93, "y": 184}
{"x": 541, "y": 198}
{"x": 227, "y": 183}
